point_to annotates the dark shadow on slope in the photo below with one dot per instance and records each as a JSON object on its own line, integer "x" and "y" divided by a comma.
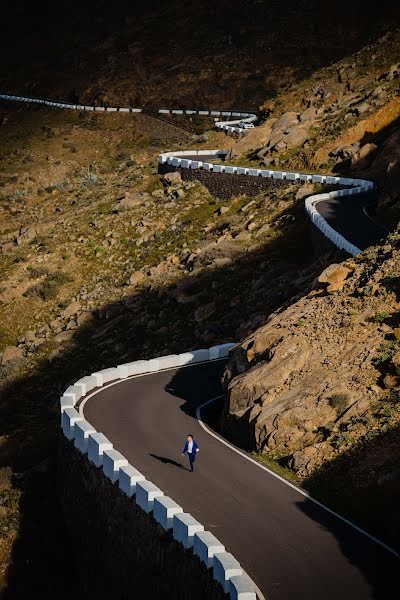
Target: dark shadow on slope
{"x": 377, "y": 564}
{"x": 363, "y": 484}
{"x": 71, "y": 47}
{"x": 148, "y": 323}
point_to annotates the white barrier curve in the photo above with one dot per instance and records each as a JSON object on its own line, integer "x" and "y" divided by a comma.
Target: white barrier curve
{"x": 236, "y": 126}
{"x": 100, "y": 451}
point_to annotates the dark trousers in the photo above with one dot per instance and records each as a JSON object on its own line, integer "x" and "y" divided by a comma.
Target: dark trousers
{"x": 192, "y": 457}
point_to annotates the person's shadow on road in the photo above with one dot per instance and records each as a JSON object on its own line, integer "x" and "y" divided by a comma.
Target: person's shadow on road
{"x": 169, "y": 461}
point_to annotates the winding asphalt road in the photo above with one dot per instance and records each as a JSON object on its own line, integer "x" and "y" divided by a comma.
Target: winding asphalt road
{"x": 290, "y": 546}
{"x": 350, "y": 217}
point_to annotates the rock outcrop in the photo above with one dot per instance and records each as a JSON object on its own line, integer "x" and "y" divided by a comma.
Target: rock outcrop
{"x": 315, "y": 370}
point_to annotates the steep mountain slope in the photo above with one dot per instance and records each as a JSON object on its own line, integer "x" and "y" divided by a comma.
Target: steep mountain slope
{"x": 103, "y": 261}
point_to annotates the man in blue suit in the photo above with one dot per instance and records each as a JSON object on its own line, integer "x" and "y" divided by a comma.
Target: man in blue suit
{"x": 191, "y": 449}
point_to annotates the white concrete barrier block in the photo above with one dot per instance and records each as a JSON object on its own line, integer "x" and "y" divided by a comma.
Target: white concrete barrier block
{"x": 317, "y": 178}
{"x": 242, "y": 170}
{"x": 97, "y": 444}
{"x": 241, "y": 587}
{"x": 87, "y": 384}
{"x": 208, "y": 166}
{"x": 136, "y": 367}
{"x": 205, "y": 546}
{"x": 112, "y": 462}
{"x": 124, "y": 110}
{"x": 194, "y": 356}
{"x": 66, "y": 401}
{"x": 164, "y": 511}
{"x": 106, "y": 375}
{"x": 136, "y": 110}
{"x": 229, "y": 169}
{"x": 75, "y": 392}
{"x": 254, "y": 172}
{"x": 185, "y": 164}
{"x": 184, "y": 527}
{"x": 70, "y": 416}
{"x": 165, "y": 362}
{"x": 220, "y": 351}
{"x": 128, "y": 478}
{"x": 82, "y": 431}
{"x": 146, "y": 492}
{"x": 225, "y": 567}
{"x": 218, "y": 168}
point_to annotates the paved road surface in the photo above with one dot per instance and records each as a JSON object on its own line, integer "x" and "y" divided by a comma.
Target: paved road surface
{"x": 349, "y": 216}
{"x": 289, "y": 546}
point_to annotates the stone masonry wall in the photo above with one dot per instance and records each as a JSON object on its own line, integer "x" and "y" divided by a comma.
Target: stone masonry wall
{"x": 225, "y": 185}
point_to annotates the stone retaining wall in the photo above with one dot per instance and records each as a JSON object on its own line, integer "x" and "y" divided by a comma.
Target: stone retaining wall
{"x": 225, "y": 185}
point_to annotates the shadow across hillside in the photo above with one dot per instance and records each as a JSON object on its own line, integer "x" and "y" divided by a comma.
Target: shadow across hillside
{"x": 363, "y": 484}
{"x": 176, "y": 49}
{"x": 145, "y": 323}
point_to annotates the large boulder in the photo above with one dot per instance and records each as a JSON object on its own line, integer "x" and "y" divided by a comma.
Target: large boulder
{"x": 11, "y": 354}
{"x": 174, "y": 178}
{"x": 334, "y": 276}
{"x": 130, "y": 201}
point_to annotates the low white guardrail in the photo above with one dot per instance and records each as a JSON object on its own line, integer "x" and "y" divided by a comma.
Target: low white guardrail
{"x": 177, "y": 159}
{"x": 360, "y": 186}
{"x": 170, "y": 516}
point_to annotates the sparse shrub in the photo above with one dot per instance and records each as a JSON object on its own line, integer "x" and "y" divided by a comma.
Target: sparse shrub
{"x": 48, "y": 289}
{"x": 380, "y": 317}
{"x": 339, "y": 401}
{"x": 387, "y": 351}
{"x": 35, "y": 272}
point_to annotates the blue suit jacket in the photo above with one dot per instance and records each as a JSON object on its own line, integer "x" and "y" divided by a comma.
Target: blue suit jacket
{"x": 194, "y": 449}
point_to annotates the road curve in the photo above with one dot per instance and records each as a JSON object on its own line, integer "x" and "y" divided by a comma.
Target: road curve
{"x": 352, "y": 220}
{"x": 339, "y": 214}
{"x": 291, "y": 547}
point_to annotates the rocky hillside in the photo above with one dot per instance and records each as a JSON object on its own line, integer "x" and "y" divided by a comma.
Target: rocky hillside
{"x": 321, "y": 379}
{"x": 344, "y": 119}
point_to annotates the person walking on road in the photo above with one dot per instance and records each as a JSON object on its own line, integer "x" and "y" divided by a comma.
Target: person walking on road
{"x": 191, "y": 449}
